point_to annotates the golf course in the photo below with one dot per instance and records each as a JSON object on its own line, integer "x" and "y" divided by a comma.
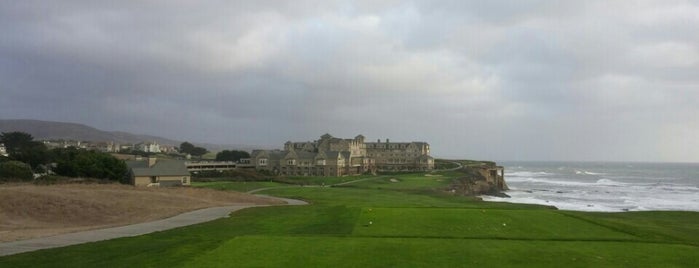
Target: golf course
{"x": 397, "y": 220}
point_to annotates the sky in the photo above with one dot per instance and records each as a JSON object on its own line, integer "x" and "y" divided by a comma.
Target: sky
{"x": 498, "y": 80}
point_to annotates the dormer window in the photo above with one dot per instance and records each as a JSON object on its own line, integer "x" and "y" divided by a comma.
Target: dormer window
{"x": 291, "y": 162}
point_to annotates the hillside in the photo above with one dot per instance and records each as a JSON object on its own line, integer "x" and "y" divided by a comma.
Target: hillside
{"x": 73, "y": 131}
{"x": 50, "y": 130}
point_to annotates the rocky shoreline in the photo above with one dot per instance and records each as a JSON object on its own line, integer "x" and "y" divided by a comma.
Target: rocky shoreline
{"x": 486, "y": 178}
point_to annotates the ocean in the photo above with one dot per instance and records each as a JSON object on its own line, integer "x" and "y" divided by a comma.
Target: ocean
{"x": 603, "y": 186}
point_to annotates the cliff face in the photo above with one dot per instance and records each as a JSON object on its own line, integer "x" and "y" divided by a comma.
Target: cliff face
{"x": 485, "y": 179}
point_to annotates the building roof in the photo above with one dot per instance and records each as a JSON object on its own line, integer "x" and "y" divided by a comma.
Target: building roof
{"x": 305, "y": 154}
{"x": 332, "y": 154}
{"x": 270, "y": 154}
{"x": 161, "y": 168}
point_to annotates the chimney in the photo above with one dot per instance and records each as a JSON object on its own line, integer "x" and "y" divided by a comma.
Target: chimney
{"x": 151, "y": 161}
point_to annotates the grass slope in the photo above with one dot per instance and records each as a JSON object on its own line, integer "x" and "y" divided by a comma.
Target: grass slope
{"x": 412, "y": 226}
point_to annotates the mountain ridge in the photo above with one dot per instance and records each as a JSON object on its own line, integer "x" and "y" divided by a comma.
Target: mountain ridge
{"x": 53, "y": 130}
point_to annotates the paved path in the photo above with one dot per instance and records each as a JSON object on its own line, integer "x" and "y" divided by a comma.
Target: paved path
{"x": 314, "y": 185}
{"x": 188, "y": 218}
{"x": 458, "y": 166}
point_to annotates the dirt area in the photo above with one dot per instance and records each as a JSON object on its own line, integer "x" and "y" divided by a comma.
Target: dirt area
{"x": 29, "y": 211}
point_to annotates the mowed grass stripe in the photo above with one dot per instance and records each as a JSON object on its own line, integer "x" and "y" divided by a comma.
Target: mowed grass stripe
{"x": 480, "y": 223}
{"x": 311, "y": 251}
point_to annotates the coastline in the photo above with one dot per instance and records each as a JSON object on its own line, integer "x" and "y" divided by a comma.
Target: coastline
{"x": 603, "y": 186}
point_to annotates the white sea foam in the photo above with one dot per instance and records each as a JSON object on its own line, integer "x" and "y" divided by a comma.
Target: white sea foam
{"x": 526, "y": 174}
{"x": 609, "y": 182}
{"x": 584, "y": 172}
{"x": 593, "y": 173}
{"x": 605, "y": 188}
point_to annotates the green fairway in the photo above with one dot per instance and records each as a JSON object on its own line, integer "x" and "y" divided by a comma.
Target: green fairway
{"x": 480, "y": 223}
{"x": 238, "y": 186}
{"x": 404, "y": 220}
{"x": 304, "y": 251}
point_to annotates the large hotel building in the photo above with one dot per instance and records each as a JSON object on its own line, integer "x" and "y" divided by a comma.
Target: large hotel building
{"x": 330, "y": 156}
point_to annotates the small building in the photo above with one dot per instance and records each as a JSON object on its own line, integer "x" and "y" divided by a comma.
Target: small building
{"x": 149, "y": 147}
{"x": 194, "y": 166}
{"x": 155, "y": 172}
{"x": 3, "y": 150}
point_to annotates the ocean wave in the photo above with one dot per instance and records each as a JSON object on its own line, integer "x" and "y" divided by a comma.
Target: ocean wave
{"x": 584, "y": 172}
{"x": 631, "y": 197}
{"x": 603, "y": 182}
{"x": 560, "y": 204}
{"x": 527, "y": 174}
{"x": 609, "y": 182}
{"x": 603, "y": 203}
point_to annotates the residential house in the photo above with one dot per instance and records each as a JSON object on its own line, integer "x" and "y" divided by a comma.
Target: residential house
{"x": 3, "y": 150}
{"x": 158, "y": 172}
{"x": 149, "y": 147}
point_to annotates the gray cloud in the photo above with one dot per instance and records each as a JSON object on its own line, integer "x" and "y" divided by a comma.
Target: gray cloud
{"x": 590, "y": 80}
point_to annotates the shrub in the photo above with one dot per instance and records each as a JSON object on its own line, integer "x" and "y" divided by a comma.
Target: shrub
{"x": 15, "y": 171}
{"x": 56, "y": 179}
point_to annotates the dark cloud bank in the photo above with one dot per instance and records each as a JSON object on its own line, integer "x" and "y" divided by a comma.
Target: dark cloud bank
{"x": 504, "y": 80}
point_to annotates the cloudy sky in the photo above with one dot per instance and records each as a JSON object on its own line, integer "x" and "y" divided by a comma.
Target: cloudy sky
{"x": 501, "y": 80}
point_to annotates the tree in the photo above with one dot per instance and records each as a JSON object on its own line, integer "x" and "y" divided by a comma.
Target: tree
{"x": 198, "y": 151}
{"x": 72, "y": 162}
{"x": 231, "y": 155}
{"x": 22, "y": 147}
{"x": 186, "y": 148}
{"x": 15, "y": 140}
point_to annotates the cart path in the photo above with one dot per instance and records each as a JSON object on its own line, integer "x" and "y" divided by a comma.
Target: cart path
{"x": 184, "y": 219}
{"x": 314, "y": 185}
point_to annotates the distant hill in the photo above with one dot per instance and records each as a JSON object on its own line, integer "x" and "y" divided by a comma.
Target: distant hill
{"x": 44, "y": 130}
{"x": 50, "y": 130}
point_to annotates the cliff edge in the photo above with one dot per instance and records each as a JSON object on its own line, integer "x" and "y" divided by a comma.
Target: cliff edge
{"x": 483, "y": 178}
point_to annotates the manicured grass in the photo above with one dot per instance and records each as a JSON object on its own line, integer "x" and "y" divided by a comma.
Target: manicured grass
{"x": 653, "y": 225}
{"x": 238, "y": 186}
{"x": 480, "y": 223}
{"x": 313, "y": 251}
{"x": 406, "y": 182}
{"x": 413, "y": 225}
{"x": 317, "y": 180}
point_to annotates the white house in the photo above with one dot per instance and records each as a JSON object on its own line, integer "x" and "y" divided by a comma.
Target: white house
{"x": 149, "y": 147}
{"x": 3, "y": 150}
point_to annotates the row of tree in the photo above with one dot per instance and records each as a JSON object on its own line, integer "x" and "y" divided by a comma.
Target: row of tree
{"x": 225, "y": 155}
{"x": 231, "y": 155}
{"x": 26, "y": 157}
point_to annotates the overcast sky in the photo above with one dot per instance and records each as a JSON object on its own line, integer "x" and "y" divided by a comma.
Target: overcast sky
{"x": 499, "y": 80}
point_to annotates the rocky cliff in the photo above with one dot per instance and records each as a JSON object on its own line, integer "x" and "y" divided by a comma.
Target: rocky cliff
{"x": 486, "y": 178}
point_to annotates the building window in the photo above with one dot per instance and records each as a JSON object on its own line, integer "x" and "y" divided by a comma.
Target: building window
{"x": 184, "y": 180}
{"x": 262, "y": 162}
{"x": 291, "y": 162}
{"x": 153, "y": 179}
